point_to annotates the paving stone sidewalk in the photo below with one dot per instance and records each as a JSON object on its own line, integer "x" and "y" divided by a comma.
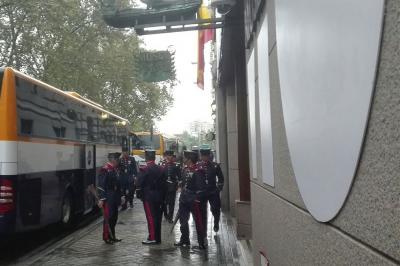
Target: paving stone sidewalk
{"x": 89, "y": 249}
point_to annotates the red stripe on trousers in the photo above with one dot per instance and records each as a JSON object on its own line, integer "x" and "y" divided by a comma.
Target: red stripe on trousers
{"x": 197, "y": 214}
{"x": 150, "y": 220}
{"x": 106, "y": 214}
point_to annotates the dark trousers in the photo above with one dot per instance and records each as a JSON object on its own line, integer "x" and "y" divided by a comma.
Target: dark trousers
{"x": 130, "y": 194}
{"x": 128, "y": 190}
{"x": 153, "y": 211}
{"x": 215, "y": 205}
{"x": 196, "y": 208}
{"x": 169, "y": 205}
{"x": 110, "y": 214}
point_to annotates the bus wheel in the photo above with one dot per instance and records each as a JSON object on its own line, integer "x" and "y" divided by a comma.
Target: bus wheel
{"x": 67, "y": 213}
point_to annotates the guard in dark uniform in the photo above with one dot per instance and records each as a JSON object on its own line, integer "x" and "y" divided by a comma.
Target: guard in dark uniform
{"x": 150, "y": 189}
{"x": 172, "y": 175}
{"x": 192, "y": 200}
{"x": 214, "y": 180}
{"x": 128, "y": 172}
{"x": 109, "y": 192}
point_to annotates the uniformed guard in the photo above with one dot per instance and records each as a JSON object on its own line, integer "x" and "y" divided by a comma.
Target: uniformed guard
{"x": 128, "y": 172}
{"x": 150, "y": 189}
{"x": 109, "y": 197}
{"x": 172, "y": 175}
{"x": 192, "y": 201}
{"x": 214, "y": 180}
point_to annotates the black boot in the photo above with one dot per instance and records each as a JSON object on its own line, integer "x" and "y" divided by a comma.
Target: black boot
{"x": 108, "y": 241}
{"x": 216, "y": 227}
{"x": 201, "y": 246}
{"x": 182, "y": 244}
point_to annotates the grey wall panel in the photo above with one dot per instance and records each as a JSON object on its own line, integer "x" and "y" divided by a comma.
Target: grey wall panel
{"x": 372, "y": 210}
{"x": 327, "y": 54}
{"x": 266, "y": 160}
{"x": 290, "y": 236}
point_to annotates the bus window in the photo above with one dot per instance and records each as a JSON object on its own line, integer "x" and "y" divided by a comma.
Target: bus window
{"x": 55, "y": 106}
{"x": 59, "y": 131}
{"x": 1, "y": 78}
{"x": 124, "y": 143}
{"x": 147, "y": 142}
{"x": 69, "y": 121}
{"x": 78, "y": 126}
{"x": 90, "y": 128}
{"x": 33, "y": 105}
{"x": 110, "y": 132}
{"x": 26, "y": 126}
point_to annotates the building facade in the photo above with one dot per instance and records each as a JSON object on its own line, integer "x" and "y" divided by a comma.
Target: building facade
{"x": 308, "y": 121}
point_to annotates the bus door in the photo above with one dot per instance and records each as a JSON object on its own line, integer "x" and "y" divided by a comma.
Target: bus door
{"x": 89, "y": 176}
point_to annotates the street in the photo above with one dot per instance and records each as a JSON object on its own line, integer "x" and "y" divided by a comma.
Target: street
{"x": 84, "y": 246}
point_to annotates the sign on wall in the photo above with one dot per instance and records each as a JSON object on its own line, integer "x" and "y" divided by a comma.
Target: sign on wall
{"x": 327, "y": 57}
{"x": 251, "y": 92}
{"x": 264, "y": 99}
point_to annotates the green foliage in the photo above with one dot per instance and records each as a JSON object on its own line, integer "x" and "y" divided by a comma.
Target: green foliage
{"x": 155, "y": 66}
{"x": 66, "y": 43}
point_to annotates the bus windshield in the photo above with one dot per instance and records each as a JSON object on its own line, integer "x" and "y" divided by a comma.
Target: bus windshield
{"x": 148, "y": 142}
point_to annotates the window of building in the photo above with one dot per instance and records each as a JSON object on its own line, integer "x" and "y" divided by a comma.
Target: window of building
{"x": 1, "y": 79}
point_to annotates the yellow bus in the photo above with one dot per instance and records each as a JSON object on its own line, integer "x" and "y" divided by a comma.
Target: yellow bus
{"x": 141, "y": 141}
{"x": 147, "y": 141}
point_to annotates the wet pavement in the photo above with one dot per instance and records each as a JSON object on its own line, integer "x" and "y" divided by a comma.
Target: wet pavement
{"x": 20, "y": 245}
{"x": 85, "y": 247}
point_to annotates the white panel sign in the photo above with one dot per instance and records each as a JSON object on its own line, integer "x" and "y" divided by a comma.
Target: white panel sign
{"x": 251, "y": 95}
{"x": 327, "y": 57}
{"x": 267, "y": 161}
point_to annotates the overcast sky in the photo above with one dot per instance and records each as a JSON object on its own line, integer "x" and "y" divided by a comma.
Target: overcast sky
{"x": 190, "y": 102}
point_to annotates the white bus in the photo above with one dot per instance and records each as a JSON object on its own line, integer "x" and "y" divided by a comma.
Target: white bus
{"x": 51, "y": 145}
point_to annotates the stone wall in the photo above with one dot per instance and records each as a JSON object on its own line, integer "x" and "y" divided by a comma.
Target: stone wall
{"x": 367, "y": 229}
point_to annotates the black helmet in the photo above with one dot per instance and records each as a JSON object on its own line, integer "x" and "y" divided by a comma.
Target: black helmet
{"x": 114, "y": 155}
{"x": 150, "y": 155}
{"x": 205, "y": 151}
{"x": 168, "y": 153}
{"x": 191, "y": 155}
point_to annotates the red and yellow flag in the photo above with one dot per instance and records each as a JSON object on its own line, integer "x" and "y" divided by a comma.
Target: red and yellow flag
{"x": 204, "y": 37}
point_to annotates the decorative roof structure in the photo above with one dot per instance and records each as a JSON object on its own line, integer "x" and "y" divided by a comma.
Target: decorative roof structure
{"x": 160, "y": 16}
{"x": 157, "y": 11}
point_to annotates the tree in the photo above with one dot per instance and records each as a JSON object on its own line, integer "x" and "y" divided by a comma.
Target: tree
{"x": 66, "y": 43}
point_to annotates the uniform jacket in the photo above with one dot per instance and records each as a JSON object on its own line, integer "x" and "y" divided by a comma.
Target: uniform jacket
{"x": 151, "y": 183}
{"x": 214, "y": 178}
{"x": 127, "y": 169}
{"x": 171, "y": 175}
{"x": 109, "y": 185}
{"x": 193, "y": 185}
